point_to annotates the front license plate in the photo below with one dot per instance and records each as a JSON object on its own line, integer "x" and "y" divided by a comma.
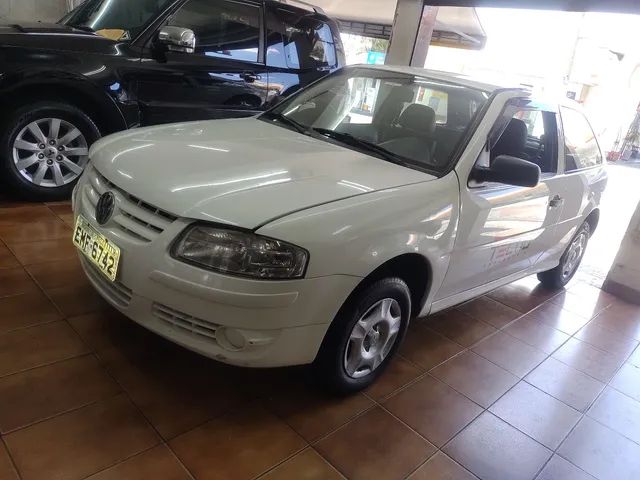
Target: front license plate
{"x": 97, "y": 248}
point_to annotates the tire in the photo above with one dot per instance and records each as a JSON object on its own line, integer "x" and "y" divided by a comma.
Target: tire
{"x": 558, "y": 277}
{"x": 61, "y": 168}
{"x": 338, "y": 351}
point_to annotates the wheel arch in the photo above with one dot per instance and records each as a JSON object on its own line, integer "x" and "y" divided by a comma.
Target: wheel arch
{"x": 414, "y": 269}
{"x": 97, "y": 105}
{"x": 593, "y": 219}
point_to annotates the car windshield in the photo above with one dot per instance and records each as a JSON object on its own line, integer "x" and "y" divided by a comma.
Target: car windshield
{"x": 406, "y": 119}
{"x": 115, "y": 19}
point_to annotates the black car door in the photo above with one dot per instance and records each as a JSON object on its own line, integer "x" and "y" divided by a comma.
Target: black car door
{"x": 224, "y": 77}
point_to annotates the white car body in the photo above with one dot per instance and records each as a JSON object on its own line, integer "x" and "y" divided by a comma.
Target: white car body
{"x": 351, "y": 211}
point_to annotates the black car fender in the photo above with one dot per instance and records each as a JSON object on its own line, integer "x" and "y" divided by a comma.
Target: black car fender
{"x": 112, "y": 112}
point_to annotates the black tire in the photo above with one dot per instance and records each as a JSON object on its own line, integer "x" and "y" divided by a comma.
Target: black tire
{"x": 329, "y": 366}
{"x": 15, "y": 122}
{"x": 555, "y": 279}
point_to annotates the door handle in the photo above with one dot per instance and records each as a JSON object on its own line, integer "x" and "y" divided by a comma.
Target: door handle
{"x": 249, "y": 77}
{"x": 556, "y": 201}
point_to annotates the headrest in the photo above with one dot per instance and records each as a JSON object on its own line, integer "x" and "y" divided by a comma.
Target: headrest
{"x": 418, "y": 118}
{"x": 513, "y": 140}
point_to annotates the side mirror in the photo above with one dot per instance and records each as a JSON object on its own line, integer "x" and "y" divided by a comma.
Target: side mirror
{"x": 177, "y": 39}
{"x": 510, "y": 171}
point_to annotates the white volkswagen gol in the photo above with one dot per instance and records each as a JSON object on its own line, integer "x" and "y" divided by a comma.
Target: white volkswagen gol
{"x": 314, "y": 232}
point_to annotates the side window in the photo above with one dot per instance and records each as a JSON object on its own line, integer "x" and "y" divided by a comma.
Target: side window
{"x": 299, "y": 41}
{"x": 531, "y": 134}
{"x": 223, "y": 28}
{"x": 581, "y": 145}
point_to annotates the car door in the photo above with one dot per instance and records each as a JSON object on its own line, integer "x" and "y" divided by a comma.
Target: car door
{"x": 224, "y": 77}
{"x": 504, "y": 229}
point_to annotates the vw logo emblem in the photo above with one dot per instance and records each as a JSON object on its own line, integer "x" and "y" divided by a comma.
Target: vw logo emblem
{"x": 104, "y": 208}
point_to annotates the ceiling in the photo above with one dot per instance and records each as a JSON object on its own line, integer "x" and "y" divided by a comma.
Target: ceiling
{"x": 619, "y": 6}
{"x": 455, "y": 26}
{"x": 383, "y": 10}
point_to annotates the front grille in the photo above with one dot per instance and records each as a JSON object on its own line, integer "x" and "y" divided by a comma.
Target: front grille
{"x": 134, "y": 218}
{"x": 115, "y": 291}
{"x": 184, "y": 322}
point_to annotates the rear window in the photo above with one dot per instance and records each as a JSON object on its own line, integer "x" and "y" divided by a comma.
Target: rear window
{"x": 299, "y": 41}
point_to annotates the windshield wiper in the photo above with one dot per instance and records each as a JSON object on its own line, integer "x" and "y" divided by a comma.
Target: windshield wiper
{"x": 288, "y": 121}
{"x": 360, "y": 143}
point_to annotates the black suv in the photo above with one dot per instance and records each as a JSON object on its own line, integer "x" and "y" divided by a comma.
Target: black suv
{"x": 114, "y": 64}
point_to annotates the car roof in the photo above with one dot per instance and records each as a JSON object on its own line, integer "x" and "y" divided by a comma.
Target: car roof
{"x": 456, "y": 78}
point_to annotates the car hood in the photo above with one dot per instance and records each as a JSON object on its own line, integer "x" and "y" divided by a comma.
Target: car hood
{"x": 242, "y": 172}
{"x": 53, "y": 36}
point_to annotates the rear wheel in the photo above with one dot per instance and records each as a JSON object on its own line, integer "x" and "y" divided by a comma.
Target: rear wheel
{"x": 44, "y": 148}
{"x": 561, "y": 275}
{"x": 364, "y": 336}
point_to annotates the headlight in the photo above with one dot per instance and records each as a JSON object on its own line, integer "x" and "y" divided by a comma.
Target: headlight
{"x": 240, "y": 253}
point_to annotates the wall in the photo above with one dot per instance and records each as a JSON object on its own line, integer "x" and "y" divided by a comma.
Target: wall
{"x": 624, "y": 277}
{"x": 32, "y": 10}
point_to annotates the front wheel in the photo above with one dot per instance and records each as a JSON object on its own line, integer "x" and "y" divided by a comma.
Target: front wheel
{"x": 364, "y": 336}
{"x": 558, "y": 277}
{"x": 44, "y": 148}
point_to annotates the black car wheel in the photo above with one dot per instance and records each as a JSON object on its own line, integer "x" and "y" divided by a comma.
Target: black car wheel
{"x": 44, "y": 148}
{"x": 561, "y": 275}
{"x": 364, "y": 336}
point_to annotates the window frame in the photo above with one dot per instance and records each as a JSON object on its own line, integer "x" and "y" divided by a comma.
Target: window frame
{"x": 516, "y": 104}
{"x": 564, "y": 151}
{"x": 148, "y": 37}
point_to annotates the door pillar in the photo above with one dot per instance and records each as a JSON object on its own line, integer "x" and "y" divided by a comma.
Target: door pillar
{"x": 413, "y": 26}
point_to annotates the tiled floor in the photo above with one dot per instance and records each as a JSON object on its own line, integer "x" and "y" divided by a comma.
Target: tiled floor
{"x": 520, "y": 384}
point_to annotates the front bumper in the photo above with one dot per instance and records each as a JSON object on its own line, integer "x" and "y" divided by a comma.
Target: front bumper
{"x": 234, "y": 320}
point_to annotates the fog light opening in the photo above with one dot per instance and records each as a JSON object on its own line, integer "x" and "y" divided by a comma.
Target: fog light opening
{"x": 231, "y": 339}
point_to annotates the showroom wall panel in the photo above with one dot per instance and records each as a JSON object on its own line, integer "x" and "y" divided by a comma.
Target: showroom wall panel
{"x": 33, "y": 10}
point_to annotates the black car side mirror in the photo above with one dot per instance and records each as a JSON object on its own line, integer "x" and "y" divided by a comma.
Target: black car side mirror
{"x": 510, "y": 171}
{"x": 177, "y": 39}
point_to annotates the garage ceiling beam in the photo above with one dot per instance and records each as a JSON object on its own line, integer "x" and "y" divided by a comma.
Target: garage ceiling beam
{"x": 618, "y": 6}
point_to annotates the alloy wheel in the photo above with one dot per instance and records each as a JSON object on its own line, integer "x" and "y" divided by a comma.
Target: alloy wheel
{"x": 50, "y": 152}
{"x": 574, "y": 255}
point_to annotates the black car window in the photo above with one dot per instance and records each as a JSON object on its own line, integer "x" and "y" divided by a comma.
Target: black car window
{"x": 117, "y": 19}
{"x": 581, "y": 146}
{"x": 224, "y": 29}
{"x": 299, "y": 41}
